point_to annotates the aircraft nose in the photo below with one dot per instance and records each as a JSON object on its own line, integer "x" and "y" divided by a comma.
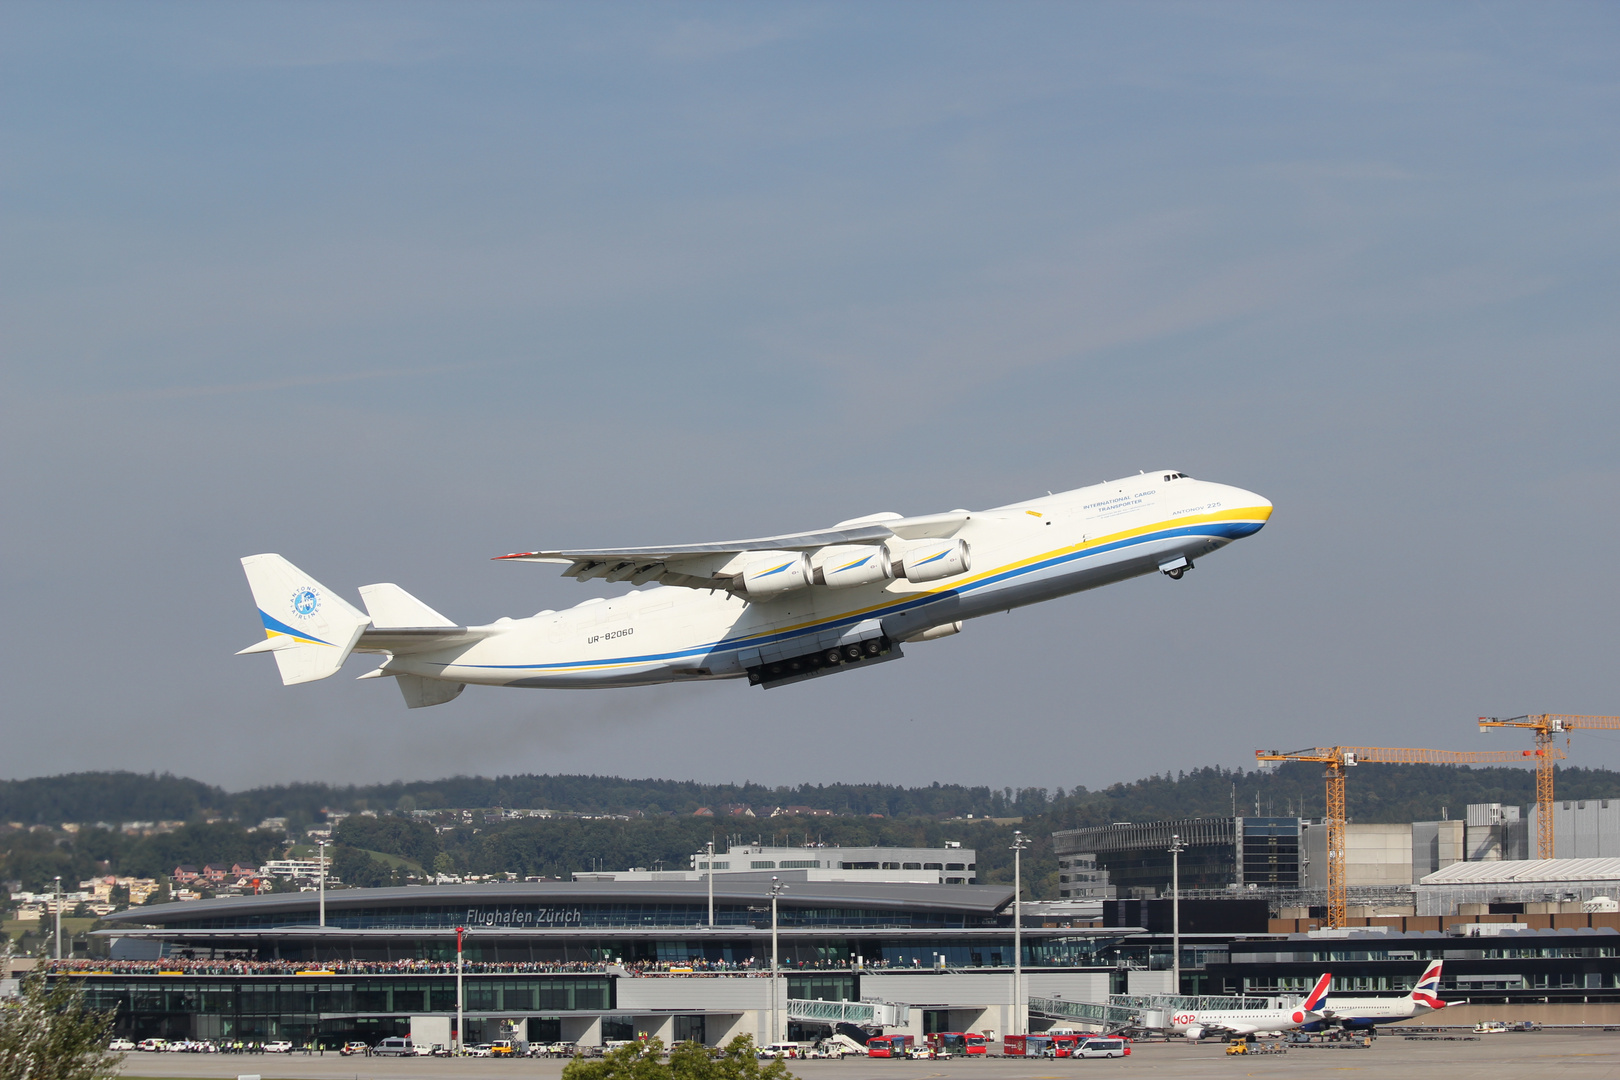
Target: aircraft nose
{"x": 1255, "y": 510}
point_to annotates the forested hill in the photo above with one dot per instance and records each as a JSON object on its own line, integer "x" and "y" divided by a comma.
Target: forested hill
{"x": 1378, "y": 793}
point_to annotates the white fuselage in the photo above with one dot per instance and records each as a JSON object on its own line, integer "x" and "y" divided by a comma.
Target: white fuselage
{"x": 1022, "y": 554}
{"x": 1240, "y": 1021}
{"x": 1369, "y": 1011}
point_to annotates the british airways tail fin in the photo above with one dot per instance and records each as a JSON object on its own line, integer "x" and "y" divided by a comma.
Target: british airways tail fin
{"x": 1316, "y": 1001}
{"x": 1427, "y": 990}
{"x": 308, "y": 628}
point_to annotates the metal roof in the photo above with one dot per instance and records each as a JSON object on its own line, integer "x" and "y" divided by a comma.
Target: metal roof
{"x": 973, "y": 900}
{"x": 1525, "y": 872}
{"x": 1402, "y": 940}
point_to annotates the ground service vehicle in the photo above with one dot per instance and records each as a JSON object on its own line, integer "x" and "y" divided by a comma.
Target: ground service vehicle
{"x": 956, "y": 1043}
{"x": 1025, "y": 1045}
{"x": 394, "y": 1047}
{"x": 351, "y": 1048}
{"x": 781, "y": 1050}
{"x": 280, "y": 1046}
{"x": 1103, "y": 1048}
{"x": 1063, "y": 1045}
{"x": 154, "y": 1044}
{"x": 502, "y": 1048}
{"x": 889, "y": 1046}
{"x": 121, "y": 1044}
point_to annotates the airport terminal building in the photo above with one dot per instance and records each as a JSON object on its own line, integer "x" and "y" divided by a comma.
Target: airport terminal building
{"x": 583, "y": 962}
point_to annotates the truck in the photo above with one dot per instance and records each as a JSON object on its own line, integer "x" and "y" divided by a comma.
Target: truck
{"x": 1025, "y": 1045}
{"x": 890, "y": 1046}
{"x": 1065, "y": 1045}
{"x": 956, "y": 1043}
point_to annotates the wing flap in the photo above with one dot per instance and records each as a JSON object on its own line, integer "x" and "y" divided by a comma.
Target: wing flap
{"x": 709, "y": 565}
{"x": 649, "y": 555}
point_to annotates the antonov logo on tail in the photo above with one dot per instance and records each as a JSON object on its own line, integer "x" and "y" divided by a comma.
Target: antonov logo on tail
{"x": 773, "y": 610}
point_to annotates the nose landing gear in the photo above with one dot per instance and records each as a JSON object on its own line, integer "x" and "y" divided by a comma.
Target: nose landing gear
{"x": 1174, "y": 568}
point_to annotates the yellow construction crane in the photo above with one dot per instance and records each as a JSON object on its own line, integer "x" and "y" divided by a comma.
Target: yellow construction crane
{"x": 1339, "y": 758}
{"x": 1546, "y": 726}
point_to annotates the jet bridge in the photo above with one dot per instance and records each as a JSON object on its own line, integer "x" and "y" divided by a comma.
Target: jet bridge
{"x": 859, "y": 1013}
{"x": 1108, "y": 1017}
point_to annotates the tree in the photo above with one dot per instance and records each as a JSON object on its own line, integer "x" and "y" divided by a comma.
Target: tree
{"x": 687, "y": 1061}
{"x": 49, "y": 1034}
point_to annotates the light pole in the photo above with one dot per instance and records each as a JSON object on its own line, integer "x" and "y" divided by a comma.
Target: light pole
{"x": 1175, "y": 912}
{"x": 320, "y": 853}
{"x": 58, "y": 906}
{"x": 1020, "y": 1018}
{"x": 711, "y": 882}
{"x": 461, "y": 1037}
{"x": 777, "y": 888}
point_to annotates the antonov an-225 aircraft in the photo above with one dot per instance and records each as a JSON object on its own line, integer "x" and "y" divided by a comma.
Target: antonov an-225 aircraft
{"x": 774, "y": 610}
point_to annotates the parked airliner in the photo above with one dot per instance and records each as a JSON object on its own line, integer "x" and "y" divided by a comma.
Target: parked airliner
{"x": 1195, "y": 1023}
{"x": 1360, "y": 1013}
{"x": 774, "y": 610}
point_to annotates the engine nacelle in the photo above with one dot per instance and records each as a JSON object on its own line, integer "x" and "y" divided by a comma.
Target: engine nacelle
{"x": 776, "y": 573}
{"x": 849, "y": 565}
{"x": 932, "y": 561}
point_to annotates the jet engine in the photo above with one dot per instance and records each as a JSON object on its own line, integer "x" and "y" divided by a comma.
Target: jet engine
{"x": 848, "y": 565}
{"x": 777, "y": 573}
{"x": 932, "y": 561}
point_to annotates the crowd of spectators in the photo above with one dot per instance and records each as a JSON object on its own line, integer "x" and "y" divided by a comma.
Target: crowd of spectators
{"x": 633, "y": 969}
{"x": 335, "y": 967}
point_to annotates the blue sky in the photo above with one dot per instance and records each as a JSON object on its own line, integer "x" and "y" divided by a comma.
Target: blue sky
{"x": 390, "y": 289}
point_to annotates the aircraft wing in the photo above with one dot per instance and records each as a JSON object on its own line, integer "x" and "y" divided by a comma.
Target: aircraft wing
{"x": 711, "y": 565}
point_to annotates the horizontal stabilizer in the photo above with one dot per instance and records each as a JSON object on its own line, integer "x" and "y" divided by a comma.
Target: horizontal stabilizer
{"x": 392, "y": 606}
{"x": 269, "y": 644}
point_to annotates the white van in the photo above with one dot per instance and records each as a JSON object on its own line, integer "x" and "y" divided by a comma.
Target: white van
{"x": 782, "y": 1050}
{"x": 1103, "y": 1048}
{"x": 394, "y": 1047}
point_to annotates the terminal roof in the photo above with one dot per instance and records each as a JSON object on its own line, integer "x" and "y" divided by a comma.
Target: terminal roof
{"x": 1525, "y": 871}
{"x": 974, "y": 900}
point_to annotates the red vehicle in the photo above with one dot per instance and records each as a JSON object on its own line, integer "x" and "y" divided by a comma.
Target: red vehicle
{"x": 1025, "y": 1045}
{"x": 1064, "y": 1045}
{"x": 888, "y": 1046}
{"x": 956, "y": 1043}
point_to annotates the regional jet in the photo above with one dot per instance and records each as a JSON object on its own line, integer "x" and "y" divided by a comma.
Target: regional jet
{"x": 1362, "y": 1013}
{"x": 1197, "y": 1023}
{"x": 773, "y": 610}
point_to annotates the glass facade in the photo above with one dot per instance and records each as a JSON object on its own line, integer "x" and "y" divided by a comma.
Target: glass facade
{"x": 257, "y": 1008}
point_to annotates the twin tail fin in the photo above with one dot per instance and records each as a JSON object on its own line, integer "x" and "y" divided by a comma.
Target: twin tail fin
{"x": 308, "y": 628}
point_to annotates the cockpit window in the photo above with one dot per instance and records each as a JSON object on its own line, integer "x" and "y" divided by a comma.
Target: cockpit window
{"x": 1173, "y": 476}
